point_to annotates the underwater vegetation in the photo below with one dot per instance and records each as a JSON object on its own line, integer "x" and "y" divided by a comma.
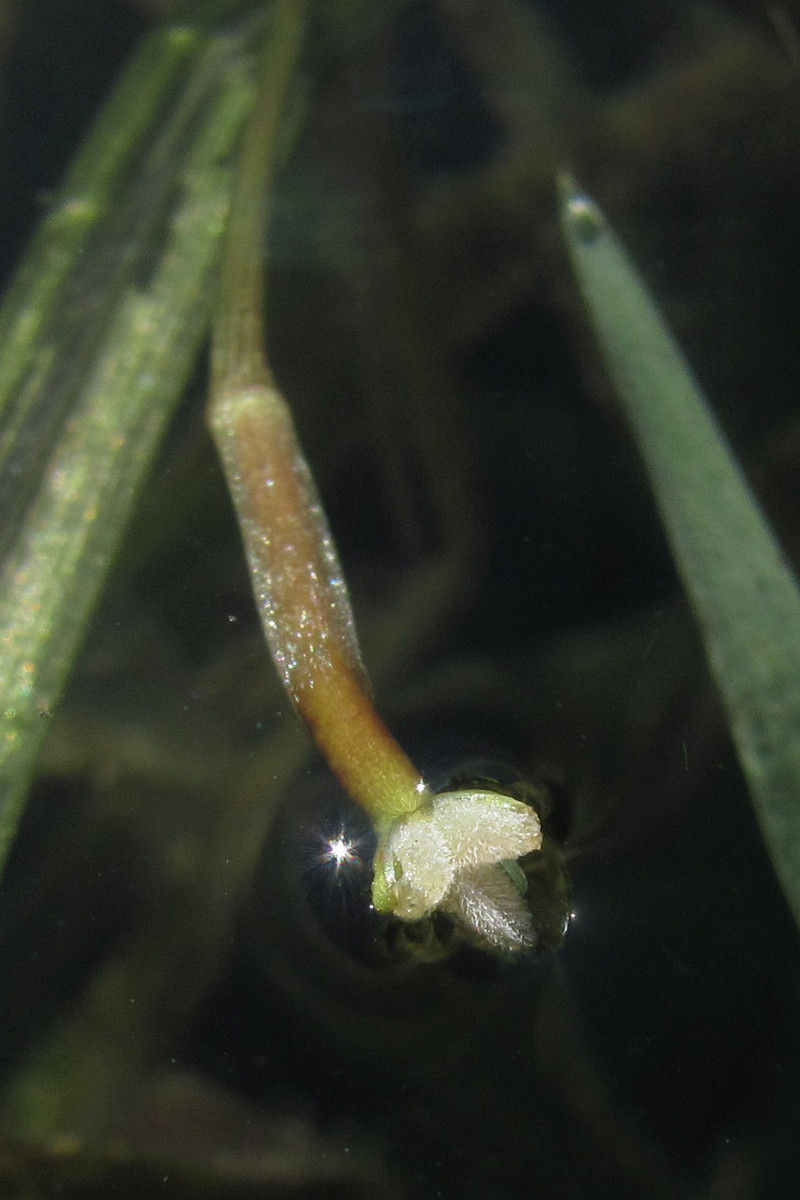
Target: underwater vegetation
{"x": 536, "y": 930}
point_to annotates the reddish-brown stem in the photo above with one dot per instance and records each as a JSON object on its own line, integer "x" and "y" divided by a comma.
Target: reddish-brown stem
{"x": 302, "y": 599}
{"x": 297, "y": 579}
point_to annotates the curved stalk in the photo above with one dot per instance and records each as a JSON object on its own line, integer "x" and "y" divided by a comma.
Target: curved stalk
{"x": 297, "y": 579}
{"x": 441, "y": 851}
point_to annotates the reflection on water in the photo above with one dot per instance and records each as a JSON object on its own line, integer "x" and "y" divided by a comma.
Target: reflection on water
{"x": 193, "y": 998}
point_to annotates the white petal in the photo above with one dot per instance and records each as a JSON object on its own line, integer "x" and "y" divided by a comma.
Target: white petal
{"x": 483, "y": 827}
{"x": 420, "y": 866}
{"x": 485, "y": 901}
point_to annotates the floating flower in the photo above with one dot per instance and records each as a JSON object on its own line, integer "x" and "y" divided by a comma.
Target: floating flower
{"x": 449, "y": 853}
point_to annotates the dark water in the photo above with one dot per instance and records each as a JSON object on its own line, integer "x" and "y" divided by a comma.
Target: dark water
{"x": 193, "y": 1003}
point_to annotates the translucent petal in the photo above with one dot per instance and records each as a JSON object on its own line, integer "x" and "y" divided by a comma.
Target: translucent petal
{"x": 485, "y": 901}
{"x": 483, "y": 827}
{"x": 419, "y": 865}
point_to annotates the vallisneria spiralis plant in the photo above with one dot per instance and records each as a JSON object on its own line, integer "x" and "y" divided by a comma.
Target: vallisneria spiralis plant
{"x": 744, "y": 595}
{"x": 442, "y": 851}
{"x": 88, "y": 388}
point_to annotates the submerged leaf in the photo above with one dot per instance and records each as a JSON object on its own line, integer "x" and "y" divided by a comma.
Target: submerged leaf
{"x": 743, "y": 593}
{"x": 101, "y": 328}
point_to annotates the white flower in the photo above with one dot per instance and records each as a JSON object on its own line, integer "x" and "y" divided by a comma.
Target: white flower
{"x": 448, "y": 854}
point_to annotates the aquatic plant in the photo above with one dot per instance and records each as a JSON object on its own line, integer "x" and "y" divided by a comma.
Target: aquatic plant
{"x": 96, "y": 352}
{"x": 743, "y": 592}
{"x": 55, "y": 563}
{"x": 186, "y": 862}
{"x": 435, "y": 851}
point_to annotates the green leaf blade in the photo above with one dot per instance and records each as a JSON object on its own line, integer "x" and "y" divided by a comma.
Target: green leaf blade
{"x": 744, "y": 595}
